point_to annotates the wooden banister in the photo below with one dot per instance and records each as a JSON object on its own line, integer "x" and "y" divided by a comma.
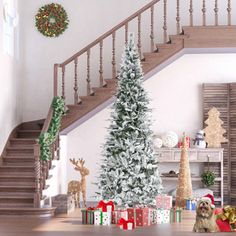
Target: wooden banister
{"x": 41, "y": 168}
{"x": 47, "y": 121}
{"x": 110, "y": 32}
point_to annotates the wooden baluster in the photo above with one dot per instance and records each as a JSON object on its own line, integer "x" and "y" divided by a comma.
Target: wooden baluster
{"x": 63, "y": 82}
{"x": 113, "y": 55}
{"x": 41, "y": 176}
{"x": 204, "y": 13}
{"x": 44, "y": 174}
{"x": 165, "y": 22}
{"x": 55, "y": 86}
{"x": 58, "y": 147}
{"x": 37, "y": 193}
{"x": 102, "y": 81}
{"x": 89, "y": 89}
{"x": 76, "y": 95}
{"x": 126, "y": 33}
{"x": 191, "y": 13}
{"x": 139, "y": 36}
{"x": 216, "y": 9}
{"x": 229, "y": 12}
{"x": 177, "y": 18}
{"x": 152, "y": 29}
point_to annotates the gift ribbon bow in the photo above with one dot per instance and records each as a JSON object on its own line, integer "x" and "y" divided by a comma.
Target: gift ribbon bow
{"x": 229, "y": 213}
{"x": 104, "y": 205}
{"x": 91, "y": 209}
{"x": 124, "y": 223}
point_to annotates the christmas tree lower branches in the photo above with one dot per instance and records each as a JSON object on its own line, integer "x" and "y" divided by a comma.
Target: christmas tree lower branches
{"x": 129, "y": 170}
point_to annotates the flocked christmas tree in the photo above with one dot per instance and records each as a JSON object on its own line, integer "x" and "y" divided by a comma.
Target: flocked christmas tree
{"x": 214, "y": 130}
{"x": 129, "y": 171}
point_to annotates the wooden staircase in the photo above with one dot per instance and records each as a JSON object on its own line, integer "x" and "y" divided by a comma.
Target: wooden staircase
{"x": 22, "y": 173}
{"x": 17, "y": 173}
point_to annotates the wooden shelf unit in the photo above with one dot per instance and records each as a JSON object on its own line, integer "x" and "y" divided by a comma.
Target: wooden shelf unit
{"x": 196, "y": 156}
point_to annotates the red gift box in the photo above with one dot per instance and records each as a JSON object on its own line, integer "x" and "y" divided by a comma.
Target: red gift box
{"x": 142, "y": 216}
{"x": 106, "y": 205}
{"x": 118, "y": 214}
{"x": 125, "y": 224}
{"x": 131, "y": 213}
{"x": 223, "y": 225}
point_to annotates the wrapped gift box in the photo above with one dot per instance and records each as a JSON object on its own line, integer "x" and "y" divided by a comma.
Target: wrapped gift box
{"x": 84, "y": 216}
{"x": 154, "y": 218}
{"x": 131, "y": 214}
{"x": 106, "y": 218}
{"x": 98, "y": 217}
{"x": 88, "y": 215}
{"x": 142, "y": 216}
{"x": 175, "y": 215}
{"x": 102, "y": 218}
{"x": 116, "y": 215}
{"x": 163, "y": 216}
{"x": 106, "y": 206}
{"x": 191, "y": 204}
{"x": 126, "y": 224}
{"x": 164, "y": 201}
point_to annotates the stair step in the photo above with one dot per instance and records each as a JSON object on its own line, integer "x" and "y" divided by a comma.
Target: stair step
{"x": 23, "y": 179}
{"x": 177, "y": 38}
{"x": 16, "y": 199}
{"x": 23, "y": 169}
{"x": 20, "y": 151}
{"x": 16, "y": 194}
{"x": 27, "y": 210}
{"x": 111, "y": 82}
{"x": 28, "y": 134}
{"x": 103, "y": 90}
{"x": 22, "y": 142}
{"x": 18, "y": 160}
{"x": 16, "y": 189}
{"x": 6, "y": 207}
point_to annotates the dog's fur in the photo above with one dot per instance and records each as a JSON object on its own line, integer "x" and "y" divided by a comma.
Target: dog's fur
{"x": 205, "y": 218}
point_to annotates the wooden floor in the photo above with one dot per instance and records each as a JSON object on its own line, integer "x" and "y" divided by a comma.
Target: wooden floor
{"x": 70, "y": 225}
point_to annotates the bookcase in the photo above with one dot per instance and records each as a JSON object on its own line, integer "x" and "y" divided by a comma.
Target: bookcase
{"x": 198, "y": 159}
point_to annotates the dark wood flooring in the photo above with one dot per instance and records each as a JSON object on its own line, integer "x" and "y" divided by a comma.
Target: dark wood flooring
{"x": 70, "y": 225}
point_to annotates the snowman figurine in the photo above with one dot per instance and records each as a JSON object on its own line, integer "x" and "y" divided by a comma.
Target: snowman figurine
{"x": 199, "y": 141}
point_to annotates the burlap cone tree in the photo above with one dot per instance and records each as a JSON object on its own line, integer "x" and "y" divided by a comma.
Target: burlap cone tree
{"x": 214, "y": 131}
{"x": 184, "y": 185}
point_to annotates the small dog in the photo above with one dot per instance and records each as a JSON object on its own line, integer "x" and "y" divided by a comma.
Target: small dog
{"x": 205, "y": 217}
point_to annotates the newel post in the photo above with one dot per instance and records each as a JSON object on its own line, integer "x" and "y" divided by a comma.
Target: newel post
{"x": 37, "y": 175}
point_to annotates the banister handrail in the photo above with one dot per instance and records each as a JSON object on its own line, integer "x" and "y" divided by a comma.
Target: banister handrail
{"x": 109, "y": 33}
{"x": 47, "y": 121}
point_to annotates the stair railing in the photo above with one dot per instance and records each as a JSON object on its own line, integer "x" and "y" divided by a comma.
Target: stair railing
{"x": 42, "y": 167}
{"x": 100, "y": 43}
{"x": 60, "y": 69}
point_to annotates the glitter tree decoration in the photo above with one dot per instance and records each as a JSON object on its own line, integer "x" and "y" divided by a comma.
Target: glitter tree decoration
{"x": 184, "y": 186}
{"x": 214, "y": 131}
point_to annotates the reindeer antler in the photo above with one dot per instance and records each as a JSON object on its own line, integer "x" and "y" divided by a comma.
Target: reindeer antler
{"x": 81, "y": 161}
{"x": 75, "y": 163}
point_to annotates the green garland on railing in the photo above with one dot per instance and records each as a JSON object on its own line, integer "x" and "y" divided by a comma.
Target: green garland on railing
{"x": 46, "y": 139}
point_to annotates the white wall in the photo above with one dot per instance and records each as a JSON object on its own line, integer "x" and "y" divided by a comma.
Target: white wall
{"x": 10, "y": 90}
{"x": 88, "y": 20}
{"x": 176, "y": 102}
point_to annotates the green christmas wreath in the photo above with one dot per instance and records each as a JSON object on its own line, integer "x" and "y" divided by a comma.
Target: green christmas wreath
{"x": 51, "y": 20}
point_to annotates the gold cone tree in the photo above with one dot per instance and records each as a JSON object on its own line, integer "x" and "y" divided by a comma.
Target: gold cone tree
{"x": 214, "y": 131}
{"x": 184, "y": 185}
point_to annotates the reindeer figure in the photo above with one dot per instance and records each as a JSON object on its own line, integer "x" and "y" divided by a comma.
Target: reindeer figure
{"x": 76, "y": 187}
